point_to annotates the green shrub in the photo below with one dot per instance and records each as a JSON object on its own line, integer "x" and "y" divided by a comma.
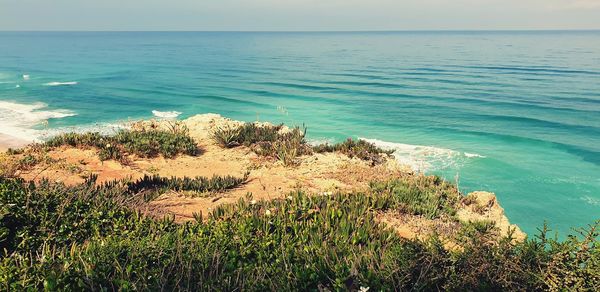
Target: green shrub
{"x": 429, "y": 196}
{"x": 286, "y": 146}
{"x": 265, "y": 140}
{"x": 227, "y": 137}
{"x": 247, "y": 134}
{"x": 85, "y": 238}
{"x": 144, "y": 143}
{"x": 356, "y": 148}
{"x": 154, "y": 185}
{"x": 11, "y": 151}
{"x": 250, "y": 133}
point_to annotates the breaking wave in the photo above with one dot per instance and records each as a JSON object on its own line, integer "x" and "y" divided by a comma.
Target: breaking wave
{"x": 166, "y": 115}
{"x": 424, "y": 158}
{"x": 60, "y": 83}
{"x": 18, "y": 120}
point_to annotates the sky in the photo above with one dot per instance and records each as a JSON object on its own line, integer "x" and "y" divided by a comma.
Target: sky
{"x": 298, "y": 15}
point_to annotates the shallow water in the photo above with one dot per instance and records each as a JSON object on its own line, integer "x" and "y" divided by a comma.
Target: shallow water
{"x": 516, "y": 113}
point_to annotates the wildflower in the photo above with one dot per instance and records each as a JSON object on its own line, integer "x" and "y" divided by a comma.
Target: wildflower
{"x": 363, "y": 289}
{"x": 268, "y": 212}
{"x": 107, "y": 145}
{"x": 253, "y": 202}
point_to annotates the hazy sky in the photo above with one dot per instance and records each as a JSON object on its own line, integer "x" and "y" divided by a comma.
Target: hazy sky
{"x": 297, "y": 14}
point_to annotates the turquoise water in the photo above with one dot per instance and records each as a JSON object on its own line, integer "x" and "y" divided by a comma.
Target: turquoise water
{"x": 516, "y": 113}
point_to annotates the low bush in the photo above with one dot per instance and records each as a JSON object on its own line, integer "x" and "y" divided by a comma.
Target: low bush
{"x": 429, "y": 196}
{"x": 247, "y": 134}
{"x": 265, "y": 140}
{"x": 356, "y": 148}
{"x": 144, "y": 143}
{"x": 227, "y": 137}
{"x": 154, "y": 185}
{"x": 286, "y": 146}
{"x": 55, "y": 237}
{"x": 12, "y": 151}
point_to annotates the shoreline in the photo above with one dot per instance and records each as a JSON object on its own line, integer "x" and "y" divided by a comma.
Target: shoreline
{"x": 317, "y": 173}
{"x": 8, "y": 141}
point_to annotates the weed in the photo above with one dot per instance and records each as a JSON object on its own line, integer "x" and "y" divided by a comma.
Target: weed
{"x": 227, "y": 136}
{"x": 86, "y": 237}
{"x": 356, "y": 148}
{"x": 144, "y": 143}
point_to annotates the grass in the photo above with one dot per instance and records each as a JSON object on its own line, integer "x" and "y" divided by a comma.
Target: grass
{"x": 265, "y": 140}
{"x": 356, "y": 148}
{"x": 89, "y": 237}
{"x": 146, "y": 143}
{"x": 155, "y": 184}
{"x": 247, "y": 134}
{"x": 287, "y": 146}
{"x": 429, "y": 196}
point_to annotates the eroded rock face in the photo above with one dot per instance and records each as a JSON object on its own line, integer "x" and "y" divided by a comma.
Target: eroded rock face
{"x": 481, "y": 206}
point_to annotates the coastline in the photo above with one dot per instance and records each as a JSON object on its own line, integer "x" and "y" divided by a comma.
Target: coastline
{"x": 7, "y": 141}
{"x": 317, "y": 173}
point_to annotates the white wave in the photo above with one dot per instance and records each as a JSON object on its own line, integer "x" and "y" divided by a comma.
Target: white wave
{"x": 19, "y": 120}
{"x": 60, "y": 83}
{"x": 424, "y": 158}
{"x": 591, "y": 201}
{"x": 473, "y": 155}
{"x": 315, "y": 142}
{"x": 166, "y": 115}
{"x": 17, "y": 86}
{"x": 26, "y": 76}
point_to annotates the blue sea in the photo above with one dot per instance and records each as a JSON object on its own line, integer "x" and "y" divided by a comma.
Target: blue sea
{"x": 515, "y": 113}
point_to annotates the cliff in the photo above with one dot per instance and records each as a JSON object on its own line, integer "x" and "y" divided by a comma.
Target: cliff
{"x": 268, "y": 179}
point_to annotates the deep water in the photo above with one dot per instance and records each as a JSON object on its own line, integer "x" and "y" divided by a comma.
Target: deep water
{"x": 516, "y": 113}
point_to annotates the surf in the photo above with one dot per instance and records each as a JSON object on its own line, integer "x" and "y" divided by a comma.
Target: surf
{"x": 424, "y": 158}
{"x": 19, "y": 120}
{"x": 166, "y": 115}
{"x": 55, "y": 83}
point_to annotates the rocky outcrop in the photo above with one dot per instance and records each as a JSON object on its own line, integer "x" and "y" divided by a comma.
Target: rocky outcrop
{"x": 480, "y": 206}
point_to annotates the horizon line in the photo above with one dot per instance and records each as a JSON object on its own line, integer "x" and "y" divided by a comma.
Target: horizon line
{"x": 326, "y": 31}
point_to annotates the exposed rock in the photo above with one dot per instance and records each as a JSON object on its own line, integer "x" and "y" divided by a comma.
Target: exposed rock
{"x": 481, "y": 206}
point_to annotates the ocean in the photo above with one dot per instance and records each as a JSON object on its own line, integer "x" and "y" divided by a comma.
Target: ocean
{"x": 512, "y": 112}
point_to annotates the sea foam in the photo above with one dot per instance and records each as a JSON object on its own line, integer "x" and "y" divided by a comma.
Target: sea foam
{"x": 18, "y": 120}
{"x": 166, "y": 115}
{"x": 424, "y": 158}
{"x": 60, "y": 83}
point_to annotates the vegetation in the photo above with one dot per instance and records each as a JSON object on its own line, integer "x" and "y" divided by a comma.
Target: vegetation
{"x": 356, "y": 148}
{"x": 286, "y": 146}
{"x": 429, "y": 196}
{"x": 143, "y": 143}
{"x": 247, "y": 134}
{"x": 10, "y": 165}
{"x": 154, "y": 185}
{"x": 265, "y": 140}
{"x": 89, "y": 237}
